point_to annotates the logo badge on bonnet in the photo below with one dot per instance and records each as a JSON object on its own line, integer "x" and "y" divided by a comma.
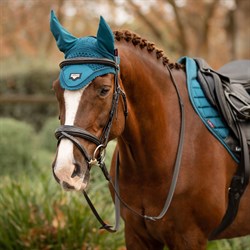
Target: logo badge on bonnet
{"x": 75, "y": 76}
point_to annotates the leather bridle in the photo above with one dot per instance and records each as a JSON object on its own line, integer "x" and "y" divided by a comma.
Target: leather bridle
{"x": 71, "y": 132}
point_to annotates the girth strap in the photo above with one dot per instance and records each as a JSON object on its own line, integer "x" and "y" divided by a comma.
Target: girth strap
{"x": 238, "y": 185}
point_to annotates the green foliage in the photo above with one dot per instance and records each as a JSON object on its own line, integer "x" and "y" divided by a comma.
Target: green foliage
{"x": 17, "y": 143}
{"x": 46, "y": 217}
{"x": 29, "y": 82}
{"x": 34, "y": 81}
{"x": 242, "y": 243}
{"x": 46, "y": 136}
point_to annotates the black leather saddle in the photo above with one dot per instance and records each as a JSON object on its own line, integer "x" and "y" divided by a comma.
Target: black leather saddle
{"x": 228, "y": 90}
{"x": 229, "y": 85}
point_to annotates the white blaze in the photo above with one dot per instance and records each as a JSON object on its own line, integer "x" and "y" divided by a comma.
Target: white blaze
{"x": 72, "y": 100}
{"x": 64, "y": 162}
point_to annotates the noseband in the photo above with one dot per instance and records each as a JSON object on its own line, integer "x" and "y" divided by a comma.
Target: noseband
{"x": 71, "y": 132}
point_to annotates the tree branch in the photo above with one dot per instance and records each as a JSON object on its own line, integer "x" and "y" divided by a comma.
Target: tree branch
{"x": 146, "y": 20}
{"x": 182, "y": 34}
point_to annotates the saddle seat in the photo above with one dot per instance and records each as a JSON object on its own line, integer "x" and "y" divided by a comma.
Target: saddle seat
{"x": 238, "y": 72}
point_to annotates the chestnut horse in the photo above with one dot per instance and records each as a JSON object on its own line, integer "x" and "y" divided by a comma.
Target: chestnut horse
{"x": 147, "y": 141}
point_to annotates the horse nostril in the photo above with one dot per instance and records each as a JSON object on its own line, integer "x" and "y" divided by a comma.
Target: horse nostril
{"x": 77, "y": 170}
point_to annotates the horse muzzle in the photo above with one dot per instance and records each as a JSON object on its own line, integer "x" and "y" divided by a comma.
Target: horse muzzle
{"x": 74, "y": 174}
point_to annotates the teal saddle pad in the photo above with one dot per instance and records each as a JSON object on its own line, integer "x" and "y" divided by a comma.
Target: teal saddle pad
{"x": 208, "y": 114}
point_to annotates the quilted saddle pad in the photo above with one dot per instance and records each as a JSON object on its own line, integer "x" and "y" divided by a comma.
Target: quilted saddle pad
{"x": 208, "y": 114}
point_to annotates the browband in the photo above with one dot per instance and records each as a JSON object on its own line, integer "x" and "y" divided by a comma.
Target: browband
{"x": 89, "y": 60}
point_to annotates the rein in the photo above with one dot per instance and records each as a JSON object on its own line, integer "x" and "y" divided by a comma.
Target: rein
{"x": 70, "y": 132}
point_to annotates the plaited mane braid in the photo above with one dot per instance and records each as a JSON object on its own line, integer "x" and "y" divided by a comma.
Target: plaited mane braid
{"x": 138, "y": 41}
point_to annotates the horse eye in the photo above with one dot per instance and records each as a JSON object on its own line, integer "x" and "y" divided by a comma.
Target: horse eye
{"x": 104, "y": 91}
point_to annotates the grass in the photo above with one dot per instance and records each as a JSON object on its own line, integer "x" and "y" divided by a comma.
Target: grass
{"x": 37, "y": 214}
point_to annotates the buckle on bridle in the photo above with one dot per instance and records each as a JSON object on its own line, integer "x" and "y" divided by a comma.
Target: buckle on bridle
{"x": 100, "y": 160}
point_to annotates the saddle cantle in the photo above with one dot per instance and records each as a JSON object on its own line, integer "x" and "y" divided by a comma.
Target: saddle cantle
{"x": 238, "y": 95}
{"x": 228, "y": 89}
{"x": 238, "y": 72}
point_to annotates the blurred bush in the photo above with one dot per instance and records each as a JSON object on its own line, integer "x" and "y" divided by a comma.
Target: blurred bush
{"x": 46, "y": 136}
{"x": 31, "y": 81}
{"x": 17, "y": 143}
{"x": 34, "y": 81}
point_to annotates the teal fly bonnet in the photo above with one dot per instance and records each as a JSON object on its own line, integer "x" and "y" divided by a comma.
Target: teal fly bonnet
{"x": 77, "y": 76}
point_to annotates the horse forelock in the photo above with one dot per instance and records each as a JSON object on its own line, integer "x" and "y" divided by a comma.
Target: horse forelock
{"x": 136, "y": 40}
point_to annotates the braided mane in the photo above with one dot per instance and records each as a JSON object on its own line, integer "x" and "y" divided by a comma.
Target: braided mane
{"x": 143, "y": 43}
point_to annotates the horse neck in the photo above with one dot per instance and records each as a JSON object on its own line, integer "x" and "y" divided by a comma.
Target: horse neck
{"x": 152, "y": 103}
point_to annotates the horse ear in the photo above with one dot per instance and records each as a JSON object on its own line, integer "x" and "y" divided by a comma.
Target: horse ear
{"x": 105, "y": 36}
{"x": 64, "y": 39}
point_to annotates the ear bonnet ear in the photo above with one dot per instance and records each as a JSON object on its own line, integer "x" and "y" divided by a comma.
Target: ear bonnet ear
{"x": 105, "y": 38}
{"x": 63, "y": 38}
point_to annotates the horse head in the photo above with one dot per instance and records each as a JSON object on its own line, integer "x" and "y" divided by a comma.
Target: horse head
{"x": 88, "y": 92}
